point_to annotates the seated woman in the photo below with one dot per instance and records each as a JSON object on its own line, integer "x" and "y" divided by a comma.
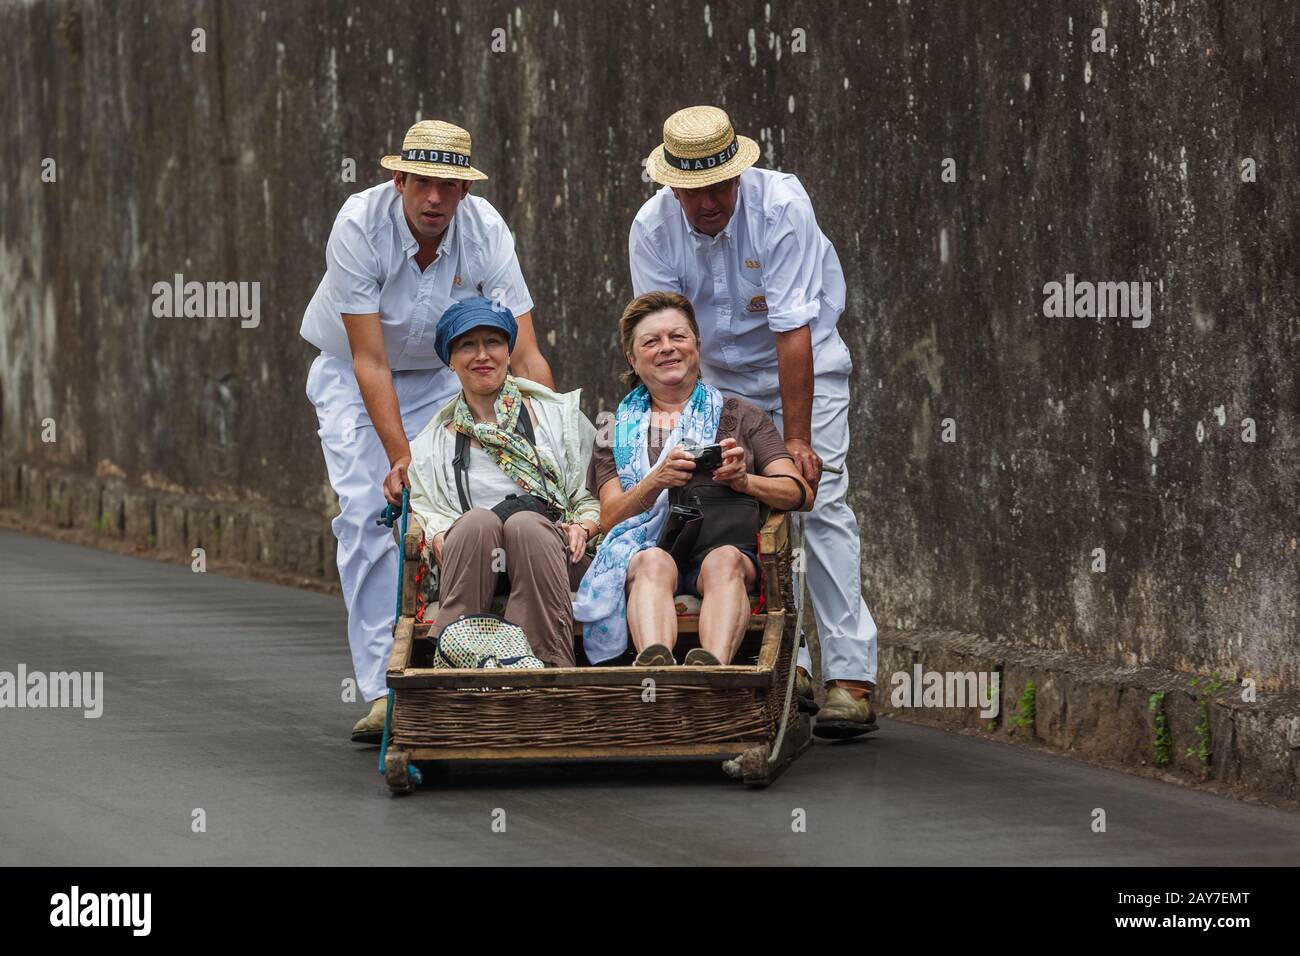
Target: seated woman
{"x": 498, "y": 479}
{"x": 631, "y": 583}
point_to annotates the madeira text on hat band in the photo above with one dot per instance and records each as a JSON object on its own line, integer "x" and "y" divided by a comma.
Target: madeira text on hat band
{"x": 442, "y": 156}
{"x": 703, "y": 162}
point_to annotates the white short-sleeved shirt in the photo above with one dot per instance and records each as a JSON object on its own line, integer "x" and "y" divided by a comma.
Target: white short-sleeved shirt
{"x": 770, "y": 270}
{"x": 370, "y": 267}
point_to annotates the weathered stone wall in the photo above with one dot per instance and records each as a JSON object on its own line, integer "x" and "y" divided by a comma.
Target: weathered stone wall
{"x": 1070, "y": 434}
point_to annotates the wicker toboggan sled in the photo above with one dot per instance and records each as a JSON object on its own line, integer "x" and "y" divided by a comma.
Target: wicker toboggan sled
{"x": 744, "y": 714}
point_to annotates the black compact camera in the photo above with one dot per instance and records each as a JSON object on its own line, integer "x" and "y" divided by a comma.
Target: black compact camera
{"x": 709, "y": 458}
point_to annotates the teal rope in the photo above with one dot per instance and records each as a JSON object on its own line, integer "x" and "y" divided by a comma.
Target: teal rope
{"x": 388, "y": 723}
{"x": 401, "y": 548}
{"x": 387, "y": 518}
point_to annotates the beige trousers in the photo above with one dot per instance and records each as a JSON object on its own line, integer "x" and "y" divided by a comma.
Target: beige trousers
{"x": 532, "y": 552}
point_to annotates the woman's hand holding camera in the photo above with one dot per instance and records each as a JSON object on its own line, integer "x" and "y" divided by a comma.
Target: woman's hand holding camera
{"x": 674, "y": 471}
{"x": 679, "y": 467}
{"x": 732, "y": 472}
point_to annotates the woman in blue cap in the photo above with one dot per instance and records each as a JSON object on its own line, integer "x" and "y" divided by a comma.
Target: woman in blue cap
{"x": 498, "y": 481}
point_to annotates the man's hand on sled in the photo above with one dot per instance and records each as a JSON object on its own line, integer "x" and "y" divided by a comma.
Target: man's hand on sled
{"x": 808, "y": 461}
{"x": 396, "y": 480}
{"x": 732, "y": 471}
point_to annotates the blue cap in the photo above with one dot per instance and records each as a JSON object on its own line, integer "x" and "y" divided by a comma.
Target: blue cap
{"x": 468, "y": 314}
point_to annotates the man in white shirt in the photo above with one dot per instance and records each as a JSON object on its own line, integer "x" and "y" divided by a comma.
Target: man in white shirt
{"x": 398, "y": 256}
{"x": 743, "y": 245}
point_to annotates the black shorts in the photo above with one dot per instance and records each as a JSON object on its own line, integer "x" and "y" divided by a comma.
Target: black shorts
{"x": 688, "y": 579}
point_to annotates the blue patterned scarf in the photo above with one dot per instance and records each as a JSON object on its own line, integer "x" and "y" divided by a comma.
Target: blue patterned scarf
{"x": 601, "y": 603}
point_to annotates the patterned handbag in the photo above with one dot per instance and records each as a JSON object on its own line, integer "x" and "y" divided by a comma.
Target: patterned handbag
{"x": 476, "y": 641}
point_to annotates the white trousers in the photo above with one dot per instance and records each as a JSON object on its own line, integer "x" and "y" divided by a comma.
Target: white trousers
{"x": 357, "y": 463}
{"x": 845, "y": 628}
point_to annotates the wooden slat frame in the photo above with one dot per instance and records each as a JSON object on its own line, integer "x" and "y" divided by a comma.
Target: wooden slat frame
{"x": 411, "y": 565}
{"x": 400, "y": 656}
{"x": 720, "y": 751}
{"x": 773, "y": 541}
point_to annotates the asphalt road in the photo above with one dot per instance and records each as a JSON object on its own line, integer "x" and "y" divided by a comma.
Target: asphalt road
{"x": 224, "y": 695}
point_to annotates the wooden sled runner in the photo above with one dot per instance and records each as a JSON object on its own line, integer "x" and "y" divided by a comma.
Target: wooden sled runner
{"x": 744, "y": 714}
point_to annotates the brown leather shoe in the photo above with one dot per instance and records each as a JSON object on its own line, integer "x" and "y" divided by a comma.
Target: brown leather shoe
{"x": 844, "y": 716}
{"x": 804, "y": 692}
{"x": 370, "y": 728}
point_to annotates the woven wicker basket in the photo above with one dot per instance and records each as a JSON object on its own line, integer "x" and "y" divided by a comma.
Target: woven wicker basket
{"x": 743, "y": 713}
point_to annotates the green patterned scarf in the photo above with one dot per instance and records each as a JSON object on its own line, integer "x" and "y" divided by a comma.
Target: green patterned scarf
{"x": 522, "y": 462}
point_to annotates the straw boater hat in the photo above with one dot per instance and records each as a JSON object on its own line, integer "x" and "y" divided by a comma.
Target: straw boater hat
{"x": 434, "y": 148}
{"x": 699, "y": 149}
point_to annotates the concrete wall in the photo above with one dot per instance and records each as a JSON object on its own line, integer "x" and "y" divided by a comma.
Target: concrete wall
{"x": 1070, "y": 434}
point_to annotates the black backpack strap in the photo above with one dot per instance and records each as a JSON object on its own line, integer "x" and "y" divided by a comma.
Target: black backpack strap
{"x": 459, "y": 466}
{"x": 525, "y": 426}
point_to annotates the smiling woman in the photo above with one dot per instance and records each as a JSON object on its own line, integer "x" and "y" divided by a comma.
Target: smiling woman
{"x": 498, "y": 482}
{"x": 648, "y": 485}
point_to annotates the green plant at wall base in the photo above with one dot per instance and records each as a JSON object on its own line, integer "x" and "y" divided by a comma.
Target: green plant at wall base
{"x": 1164, "y": 742}
{"x": 1204, "y": 743}
{"x": 1027, "y": 709}
{"x": 102, "y": 524}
